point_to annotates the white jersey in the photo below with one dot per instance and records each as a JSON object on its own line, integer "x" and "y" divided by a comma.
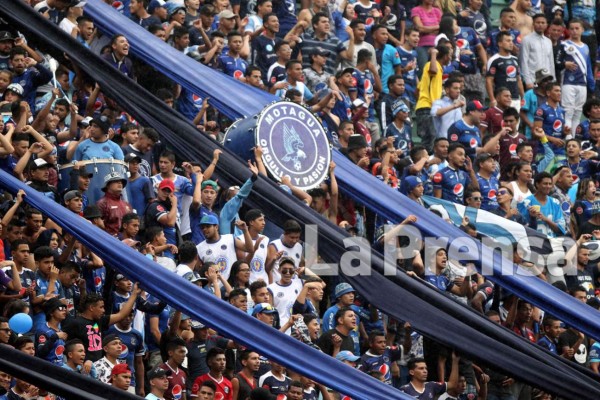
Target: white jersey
{"x": 257, "y": 264}
{"x": 295, "y": 253}
{"x": 284, "y": 298}
{"x": 221, "y": 252}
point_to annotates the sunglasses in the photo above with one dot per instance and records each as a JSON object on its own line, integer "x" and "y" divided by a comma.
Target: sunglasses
{"x": 287, "y": 271}
{"x": 61, "y": 308}
{"x": 475, "y": 198}
{"x": 502, "y": 191}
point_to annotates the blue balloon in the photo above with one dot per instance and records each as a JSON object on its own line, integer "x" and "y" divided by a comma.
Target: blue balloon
{"x": 20, "y": 323}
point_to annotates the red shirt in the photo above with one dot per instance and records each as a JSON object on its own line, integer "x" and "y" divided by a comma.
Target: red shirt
{"x": 224, "y": 387}
{"x": 492, "y": 120}
{"x": 113, "y": 209}
{"x": 508, "y": 148}
{"x": 177, "y": 382}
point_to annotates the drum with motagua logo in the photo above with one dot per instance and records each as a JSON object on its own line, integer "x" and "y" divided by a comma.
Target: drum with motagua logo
{"x": 100, "y": 168}
{"x": 293, "y": 141}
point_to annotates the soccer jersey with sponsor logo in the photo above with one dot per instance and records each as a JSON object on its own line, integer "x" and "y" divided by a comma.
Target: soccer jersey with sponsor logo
{"x": 488, "y": 189}
{"x": 224, "y": 387}
{"x": 453, "y": 183}
{"x": 177, "y": 382}
{"x": 381, "y": 362}
{"x": 553, "y": 122}
{"x": 505, "y": 71}
{"x": 467, "y": 41}
{"x": 467, "y": 135}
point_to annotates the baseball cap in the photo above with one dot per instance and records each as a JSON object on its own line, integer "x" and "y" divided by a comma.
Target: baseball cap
{"x": 264, "y": 308}
{"x": 154, "y": 4}
{"x": 343, "y": 288}
{"x": 120, "y": 277}
{"x": 72, "y": 194}
{"x": 5, "y": 36}
{"x": 226, "y": 14}
{"x": 482, "y": 157}
{"x": 77, "y": 3}
{"x": 209, "y": 220}
{"x": 341, "y": 72}
{"x": 37, "y": 164}
{"x": 111, "y": 337}
{"x": 102, "y": 123}
{"x": 119, "y": 368}
{"x": 475, "y": 105}
{"x": 92, "y": 212}
{"x": 209, "y": 183}
{"x": 346, "y": 355}
{"x": 52, "y": 304}
{"x": 85, "y": 122}
{"x": 319, "y": 51}
{"x": 399, "y": 105}
{"x": 15, "y": 88}
{"x": 158, "y": 372}
{"x": 357, "y": 141}
{"x": 173, "y": 8}
{"x": 197, "y": 324}
{"x": 132, "y": 156}
{"x": 167, "y": 184}
{"x": 541, "y": 75}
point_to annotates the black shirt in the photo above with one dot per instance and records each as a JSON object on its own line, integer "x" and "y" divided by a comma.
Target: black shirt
{"x": 89, "y": 332}
{"x": 326, "y": 343}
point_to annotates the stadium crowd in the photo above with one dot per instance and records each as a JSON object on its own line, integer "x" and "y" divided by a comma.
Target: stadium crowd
{"x": 428, "y": 96}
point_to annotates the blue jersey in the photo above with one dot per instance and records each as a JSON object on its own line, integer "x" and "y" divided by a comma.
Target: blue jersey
{"x": 488, "y": 189}
{"x": 432, "y": 389}
{"x": 583, "y": 130}
{"x": 467, "y": 135}
{"x": 232, "y": 66}
{"x": 595, "y": 353}
{"x": 30, "y": 80}
{"x": 343, "y": 108}
{"x": 48, "y": 346}
{"x": 139, "y": 192}
{"x": 493, "y": 39}
{"x": 263, "y": 53}
{"x": 88, "y": 150}
{"x": 467, "y": 41}
{"x": 132, "y": 345}
{"x": 387, "y": 59}
{"x": 553, "y": 122}
{"x": 41, "y": 289}
{"x": 453, "y": 183}
{"x": 94, "y": 279}
{"x": 275, "y": 386}
{"x": 363, "y": 13}
{"x": 410, "y": 77}
{"x": 584, "y": 168}
{"x": 189, "y": 104}
{"x": 402, "y": 137}
{"x": 551, "y": 210}
{"x": 163, "y": 324}
{"x": 477, "y": 21}
{"x": 363, "y": 86}
{"x": 382, "y": 363}
{"x": 547, "y": 344}
{"x": 580, "y": 55}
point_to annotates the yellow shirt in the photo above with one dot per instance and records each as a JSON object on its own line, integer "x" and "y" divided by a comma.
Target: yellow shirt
{"x": 430, "y": 87}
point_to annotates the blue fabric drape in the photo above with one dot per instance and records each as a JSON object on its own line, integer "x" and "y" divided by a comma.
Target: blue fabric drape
{"x": 386, "y": 202}
{"x": 399, "y": 296}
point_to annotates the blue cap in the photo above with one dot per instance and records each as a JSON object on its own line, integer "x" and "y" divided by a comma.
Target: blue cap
{"x": 346, "y": 355}
{"x": 154, "y": 4}
{"x": 209, "y": 220}
{"x": 343, "y": 288}
{"x": 411, "y": 182}
{"x": 399, "y": 105}
{"x": 264, "y": 308}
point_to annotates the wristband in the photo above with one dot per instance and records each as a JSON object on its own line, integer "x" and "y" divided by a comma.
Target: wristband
{"x": 544, "y": 140}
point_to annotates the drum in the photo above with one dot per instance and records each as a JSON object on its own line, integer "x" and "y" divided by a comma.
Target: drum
{"x": 100, "y": 168}
{"x": 293, "y": 140}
